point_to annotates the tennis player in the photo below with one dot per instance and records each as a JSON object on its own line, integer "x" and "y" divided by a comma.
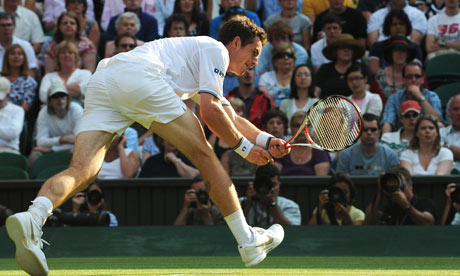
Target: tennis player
{"x": 146, "y": 85}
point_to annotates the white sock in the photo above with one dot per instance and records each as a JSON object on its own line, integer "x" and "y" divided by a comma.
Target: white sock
{"x": 41, "y": 208}
{"x": 239, "y": 227}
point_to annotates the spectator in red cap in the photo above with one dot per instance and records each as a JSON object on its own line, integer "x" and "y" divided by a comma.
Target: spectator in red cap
{"x": 399, "y": 140}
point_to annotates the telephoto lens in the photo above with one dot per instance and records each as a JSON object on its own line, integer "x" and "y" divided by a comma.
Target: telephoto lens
{"x": 337, "y": 195}
{"x": 391, "y": 182}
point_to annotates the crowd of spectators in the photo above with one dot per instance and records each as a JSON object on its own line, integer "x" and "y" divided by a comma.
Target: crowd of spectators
{"x": 373, "y": 52}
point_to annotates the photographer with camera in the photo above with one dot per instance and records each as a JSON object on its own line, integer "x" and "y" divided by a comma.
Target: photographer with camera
{"x": 396, "y": 204}
{"x": 334, "y": 203}
{"x": 452, "y": 200}
{"x": 198, "y": 208}
{"x": 88, "y": 210}
{"x": 263, "y": 206}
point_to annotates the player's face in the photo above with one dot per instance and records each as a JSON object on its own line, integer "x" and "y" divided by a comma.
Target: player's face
{"x": 243, "y": 58}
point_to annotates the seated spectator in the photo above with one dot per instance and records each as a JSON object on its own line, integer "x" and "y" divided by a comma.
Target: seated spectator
{"x": 227, "y": 5}
{"x": 452, "y": 200}
{"x": 119, "y": 161}
{"x": 89, "y": 27}
{"x": 67, "y": 73}
{"x": 256, "y": 102}
{"x": 343, "y": 52}
{"x": 429, "y": 7}
{"x": 56, "y": 123}
{"x": 149, "y": 148}
{"x": 68, "y": 28}
{"x": 11, "y": 120}
{"x": 332, "y": 28}
{"x": 313, "y": 8}
{"x": 198, "y": 208}
{"x": 443, "y": 33}
{"x": 301, "y": 97}
{"x": 233, "y": 163}
{"x": 396, "y": 23}
{"x": 15, "y": 68}
{"x": 416, "y": 17}
{"x": 162, "y": 11}
{"x": 425, "y": 155}
{"x": 262, "y": 205}
{"x": 7, "y": 38}
{"x": 115, "y": 7}
{"x": 398, "y": 205}
{"x": 198, "y": 23}
{"x": 175, "y": 26}
{"x": 170, "y": 163}
{"x": 352, "y": 21}
{"x": 275, "y": 122}
{"x": 267, "y": 8}
{"x": 335, "y": 203}
{"x": 368, "y": 157}
{"x": 124, "y": 43}
{"x": 276, "y": 83}
{"x": 52, "y": 9}
{"x": 367, "y": 7}
{"x": 27, "y": 23}
{"x": 279, "y": 32}
{"x": 399, "y": 140}
{"x": 127, "y": 22}
{"x": 413, "y": 81}
{"x": 390, "y": 79}
{"x": 148, "y": 30}
{"x": 300, "y": 23}
{"x": 356, "y": 76}
{"x": 450, "y": 135}
{"x": 90, "y": 203}
{"x": 303, "y": 160}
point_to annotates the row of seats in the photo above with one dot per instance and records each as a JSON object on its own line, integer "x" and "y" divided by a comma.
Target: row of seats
{"x": 15, "y": 166}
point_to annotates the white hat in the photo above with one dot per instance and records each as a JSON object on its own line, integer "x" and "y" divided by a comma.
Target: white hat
{"x": 57, "y": 88}
{"x": 5, "y": 87}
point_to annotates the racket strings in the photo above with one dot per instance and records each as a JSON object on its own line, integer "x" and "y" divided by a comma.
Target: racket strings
{"x": 334, "y": 124}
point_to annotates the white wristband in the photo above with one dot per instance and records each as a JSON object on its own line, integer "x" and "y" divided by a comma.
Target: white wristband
{"x": 243, "y": 147}
{"x": 263, "y": 139}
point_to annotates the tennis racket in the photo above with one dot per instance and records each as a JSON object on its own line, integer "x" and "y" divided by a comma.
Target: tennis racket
{"x": 331, "y": 124}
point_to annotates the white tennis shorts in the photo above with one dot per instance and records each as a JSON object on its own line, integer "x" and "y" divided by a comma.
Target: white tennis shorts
{"x": 120, "y": 93}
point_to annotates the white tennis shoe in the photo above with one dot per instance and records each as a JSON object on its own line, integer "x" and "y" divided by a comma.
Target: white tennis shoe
{"x": 26, "y": 234}
{"x": 264, "y": 241}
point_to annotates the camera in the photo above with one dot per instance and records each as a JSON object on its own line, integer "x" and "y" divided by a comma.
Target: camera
{"x": 391, "y": 182}
{"x": 263, "y": 185}
{"x": 99, "y": 218}
{"x": 202, "y": 197}
{"x": 337, "y": 195}
{"x": 94, "y": 196}
{"x": 455, "y": 195}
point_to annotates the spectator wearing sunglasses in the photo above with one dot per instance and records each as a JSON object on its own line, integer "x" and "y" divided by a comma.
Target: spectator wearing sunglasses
{"x": 124, "y": 43}
{"x": 399, "y": 140}
{"x": 413, "y": 90}
{"x": 369, "y": 156}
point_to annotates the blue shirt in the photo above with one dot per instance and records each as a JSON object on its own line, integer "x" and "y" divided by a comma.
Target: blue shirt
{"x": 271, "y": 7}
{"x": 354, "y": 162}
{"x": 150, "y": 146}
{"x": 147, "y": 32}
{"x": 215, "y": 23}
{"x": 391, "y": 113}
{"x": 265, "y": 58}
{"x": 131, "y": 137}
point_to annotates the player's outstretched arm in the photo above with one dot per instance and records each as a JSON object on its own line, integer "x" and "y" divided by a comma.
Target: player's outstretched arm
{"x": 220, "y": 123}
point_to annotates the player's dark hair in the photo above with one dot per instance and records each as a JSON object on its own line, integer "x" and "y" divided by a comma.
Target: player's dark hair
{"x": 242, "y": 27}
{"x": 401, "y": 16}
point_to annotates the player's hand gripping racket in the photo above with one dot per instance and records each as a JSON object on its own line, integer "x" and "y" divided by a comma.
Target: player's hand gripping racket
{"x": 331, "y": 124}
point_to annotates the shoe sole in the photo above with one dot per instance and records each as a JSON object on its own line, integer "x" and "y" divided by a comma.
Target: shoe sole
{"x": 25, "y": 257}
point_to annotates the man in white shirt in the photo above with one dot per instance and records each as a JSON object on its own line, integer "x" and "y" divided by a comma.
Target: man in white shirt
{"x": 450, "y": 136}
{"x": 11, "y": 120}
{"x": 416, "y": 17}
{"x": 332, "y": 28}
{"x": 443, "y": 30}
{"x": 145, "y": 85}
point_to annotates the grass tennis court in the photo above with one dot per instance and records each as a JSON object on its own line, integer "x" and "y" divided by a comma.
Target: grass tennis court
{"x": 275, "y": 265}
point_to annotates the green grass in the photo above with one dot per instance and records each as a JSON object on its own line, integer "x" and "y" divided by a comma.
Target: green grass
{"x": 356, "y": 266}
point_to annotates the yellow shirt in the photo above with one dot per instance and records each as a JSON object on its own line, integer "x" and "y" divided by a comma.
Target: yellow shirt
{"x": 355, "y": 214}
{"x": 315, "y": 7}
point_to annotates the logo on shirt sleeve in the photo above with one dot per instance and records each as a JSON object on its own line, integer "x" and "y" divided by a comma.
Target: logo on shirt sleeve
{"x": 218, "y": 72}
